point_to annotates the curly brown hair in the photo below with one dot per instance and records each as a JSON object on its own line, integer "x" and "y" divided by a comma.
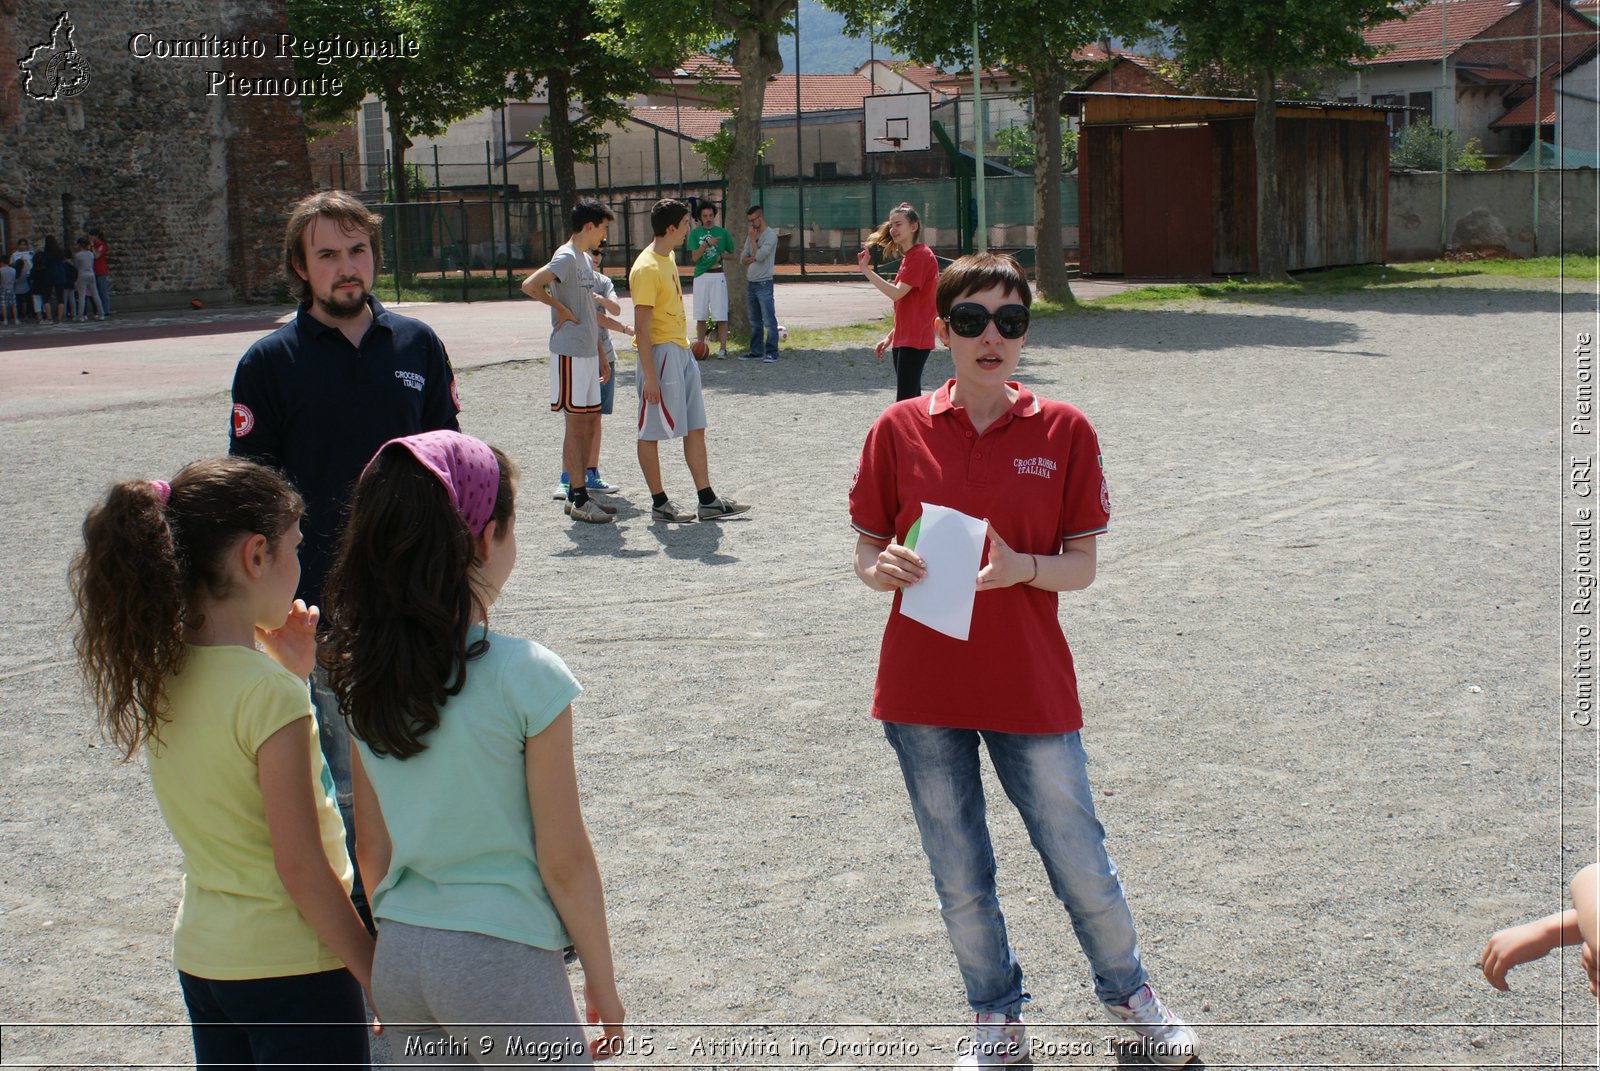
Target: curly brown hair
{"x": 400, "y": 602}
{"x": 147, "y": 552}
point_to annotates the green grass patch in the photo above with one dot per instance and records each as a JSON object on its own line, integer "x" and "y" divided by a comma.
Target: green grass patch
{"x": 816, "y": 338}
{"x": 1348, "y": 280}
{"x": 449, "y": 288}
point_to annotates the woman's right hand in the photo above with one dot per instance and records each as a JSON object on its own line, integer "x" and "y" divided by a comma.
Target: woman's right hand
{"x": 864, "y": 260}
{"x": 603, "y": 1008}
{"x": 898, "y": 567}
{"x": 883, "y": 344}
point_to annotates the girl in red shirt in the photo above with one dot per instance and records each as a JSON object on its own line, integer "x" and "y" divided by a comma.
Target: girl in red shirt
{"x": 911, "y": 339}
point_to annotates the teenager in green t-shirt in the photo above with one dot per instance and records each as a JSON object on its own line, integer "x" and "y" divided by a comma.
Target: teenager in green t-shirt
{"x": 710, "y": 245}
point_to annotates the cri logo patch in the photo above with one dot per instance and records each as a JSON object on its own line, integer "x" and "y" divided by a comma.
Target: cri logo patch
{"x": 243, "y": 420}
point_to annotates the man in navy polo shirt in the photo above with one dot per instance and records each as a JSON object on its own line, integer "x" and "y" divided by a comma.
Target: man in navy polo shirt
{"x": 318, "y": 396}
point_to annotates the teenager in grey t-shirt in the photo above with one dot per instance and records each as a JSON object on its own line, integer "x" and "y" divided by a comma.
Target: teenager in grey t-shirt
{"x": 573, "y": 286}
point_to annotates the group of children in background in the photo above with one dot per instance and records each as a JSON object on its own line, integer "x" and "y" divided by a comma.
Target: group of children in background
{"x": 53, "y": 287}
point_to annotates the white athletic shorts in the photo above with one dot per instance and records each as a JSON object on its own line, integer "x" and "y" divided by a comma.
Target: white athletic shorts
{"x": 682, "y": 408}
{"x": 575, "y": 384}
{"x": 711, "y": 298}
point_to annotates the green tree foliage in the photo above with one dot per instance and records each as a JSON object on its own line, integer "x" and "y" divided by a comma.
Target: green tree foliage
{"x": 573, "y": 52}
{"x": 1422, "y": 145}
{"x": 1034, "y": 40}
{"x": 745, "y": 34}
{"x": 1258, "y": 43}
{"x": 421, "y": 95}
{"x": 1016, "y": 142}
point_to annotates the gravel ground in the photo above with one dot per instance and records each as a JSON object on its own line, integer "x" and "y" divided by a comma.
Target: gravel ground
{"x": 1321, "y": 668}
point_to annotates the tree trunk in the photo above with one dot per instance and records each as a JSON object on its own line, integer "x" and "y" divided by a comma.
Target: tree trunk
{"x": 559, "y": 127}
{"x": 399, "y": 187}
{"x": 755, "y": 55}
{"x": 1049, "y": 82}
{"x": 1269, "y": 210}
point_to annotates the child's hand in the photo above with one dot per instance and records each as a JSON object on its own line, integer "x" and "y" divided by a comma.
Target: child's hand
{"x": 1517, "y": 945}
{"x": 883, "y": 344}
{"x": 603, "y": 1008}
{"x": 1586, "y": 957}
{"x": 293, "y": 644}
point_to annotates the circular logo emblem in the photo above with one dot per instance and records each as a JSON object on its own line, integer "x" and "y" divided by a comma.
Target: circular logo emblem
{"x": 1105, "y": 496}
{"x": 244, "y": 421}
{"x": 455, "y": 394}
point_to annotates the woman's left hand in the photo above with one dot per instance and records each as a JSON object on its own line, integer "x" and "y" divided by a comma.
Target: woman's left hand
{"x": 293, "y": 645}
{"x": 864, "y": 260}
{"x": 1006, "y": 566}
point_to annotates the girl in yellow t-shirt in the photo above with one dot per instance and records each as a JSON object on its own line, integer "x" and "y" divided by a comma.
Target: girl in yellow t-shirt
{"x": 180, "y": 588}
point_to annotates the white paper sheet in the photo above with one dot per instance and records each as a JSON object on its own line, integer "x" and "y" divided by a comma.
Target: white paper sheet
{"x": 951, "y": 544}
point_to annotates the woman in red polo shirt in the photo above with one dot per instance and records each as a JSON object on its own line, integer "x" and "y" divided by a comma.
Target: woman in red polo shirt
{"x": 911, "y": 339}
{"x": 989, "y": 448}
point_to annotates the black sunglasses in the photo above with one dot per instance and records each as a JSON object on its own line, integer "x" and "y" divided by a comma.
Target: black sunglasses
{"x": 968, "y": 320}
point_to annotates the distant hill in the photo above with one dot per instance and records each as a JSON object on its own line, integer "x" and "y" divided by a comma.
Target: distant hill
{"x": 824, "y": 46}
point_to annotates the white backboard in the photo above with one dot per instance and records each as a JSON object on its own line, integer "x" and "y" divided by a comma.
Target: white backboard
{"x": 897, "y": 122}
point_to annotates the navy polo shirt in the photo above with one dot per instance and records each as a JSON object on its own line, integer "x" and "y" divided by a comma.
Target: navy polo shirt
{"x": 309, "y": 403}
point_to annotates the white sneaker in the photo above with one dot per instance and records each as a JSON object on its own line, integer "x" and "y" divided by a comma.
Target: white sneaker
{"x": 998, "y": 1041}
{"x": 1168, "y": 1040}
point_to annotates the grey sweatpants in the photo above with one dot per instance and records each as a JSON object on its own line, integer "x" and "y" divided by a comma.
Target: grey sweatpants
{"x": 449, "y": 997}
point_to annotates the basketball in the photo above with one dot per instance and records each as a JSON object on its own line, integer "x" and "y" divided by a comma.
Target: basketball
{"x": 196, "y": 303}
{"x": 699, "y": 348}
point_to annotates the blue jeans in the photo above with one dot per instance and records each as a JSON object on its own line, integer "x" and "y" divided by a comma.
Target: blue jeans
{"x": 1047, "y": 781}
{"x": 334, "y": 736}
{"x": 763, "y": 317}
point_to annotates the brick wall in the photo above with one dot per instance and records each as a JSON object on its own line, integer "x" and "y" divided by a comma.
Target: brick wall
{"x": 191, "y": 189}
{"x": 1519, "y": 55}
{"x": 324, "y": 153}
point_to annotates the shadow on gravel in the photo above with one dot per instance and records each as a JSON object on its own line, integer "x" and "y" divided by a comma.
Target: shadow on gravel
{"x": 695, "y": 541}
{"x": 1186, "y": 331}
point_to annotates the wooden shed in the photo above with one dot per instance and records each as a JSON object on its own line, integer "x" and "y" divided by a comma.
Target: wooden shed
{"x": 1167, "y": 185}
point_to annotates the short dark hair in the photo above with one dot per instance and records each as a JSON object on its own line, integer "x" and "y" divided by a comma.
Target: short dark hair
{"x": 349, "y": 213}
{"x": 752, "y": 210}
{"x": 980, "y": 271}
{"x": 705, "y": 205}
{"x": 589, "y": 211}
{"x": 666, "y": 214}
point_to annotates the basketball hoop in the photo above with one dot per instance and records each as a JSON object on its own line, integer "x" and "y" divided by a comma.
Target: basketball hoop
{"x": 895, "y": 142}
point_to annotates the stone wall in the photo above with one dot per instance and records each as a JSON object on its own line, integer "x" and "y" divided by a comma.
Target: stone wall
{"x": 190, "y": 185}
{"x": 1493, "y": 208}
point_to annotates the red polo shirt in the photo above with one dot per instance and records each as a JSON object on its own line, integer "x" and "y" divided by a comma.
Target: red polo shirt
{"x": 914, "y": 313}
{"x": 1036, "y": 475}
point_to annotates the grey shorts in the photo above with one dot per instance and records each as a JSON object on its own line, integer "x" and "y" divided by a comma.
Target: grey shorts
{"x": 439, "y": 991}
{"x": 682, "y": 408}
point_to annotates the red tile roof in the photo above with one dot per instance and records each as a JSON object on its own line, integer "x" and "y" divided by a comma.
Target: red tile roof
{"x": 705, "y": 65}
{"x": 1492, "y": 75}
{"x": 697, "y": 124}
{"x": 818, "y": 93}
{"x": 1522, "y": 114}
{"x": 1417, "y": 36}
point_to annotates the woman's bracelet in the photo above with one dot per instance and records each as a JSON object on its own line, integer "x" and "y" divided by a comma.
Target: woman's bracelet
{"x": 1035, "y": 575}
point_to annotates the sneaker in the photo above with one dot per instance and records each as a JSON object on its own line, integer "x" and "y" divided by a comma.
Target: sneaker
{"x": 562, "y": 491}
{"x": 750, "y": 357}
{"x": 998, "y": 1040}
{"x": 592, "y": 481}
{"x": 720, "y": 508}
{"x": 771, "y": 358}
{"x": 590, "y": 512}
{"x": 1168, "y": 1039}
{"x": 668, "y": 511}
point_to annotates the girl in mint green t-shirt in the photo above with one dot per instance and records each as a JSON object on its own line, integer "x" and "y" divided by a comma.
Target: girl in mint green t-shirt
{"x": 177, "y": 585}
{"x": 469, "y": 832}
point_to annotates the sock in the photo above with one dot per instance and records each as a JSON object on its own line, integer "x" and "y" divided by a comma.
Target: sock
{"x": 578, "y": 495}
{"x": 658, "y": 500}
{"x": 707, "y": 496}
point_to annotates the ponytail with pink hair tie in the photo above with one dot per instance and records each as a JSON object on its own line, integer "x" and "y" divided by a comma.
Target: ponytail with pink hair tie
{"x": 163, "y": 490}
